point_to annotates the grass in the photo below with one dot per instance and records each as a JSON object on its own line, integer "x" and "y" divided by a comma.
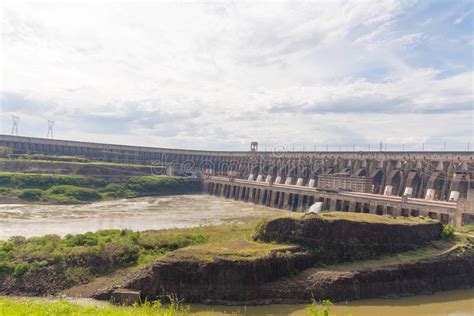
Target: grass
{"x": 28, "y": 307}
{"x": 466, "y": 229}
{"x": 74, "y": 189}
{"x": 229, "y": 242}
{"x": 372, "y": 218}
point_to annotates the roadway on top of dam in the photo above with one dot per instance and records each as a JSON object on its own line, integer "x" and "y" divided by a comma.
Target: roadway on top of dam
{"x": 312, "y": 190}
{"x": 450, "y": 155}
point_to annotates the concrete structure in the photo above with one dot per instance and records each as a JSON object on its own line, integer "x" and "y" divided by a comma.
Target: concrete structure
{"x": 345, "y": 182}
{"x": 432, "y": 175}
{"x": 299, "y": 198}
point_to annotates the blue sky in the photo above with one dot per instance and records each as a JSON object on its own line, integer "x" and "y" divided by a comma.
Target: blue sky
{"x": 219, "y": 75}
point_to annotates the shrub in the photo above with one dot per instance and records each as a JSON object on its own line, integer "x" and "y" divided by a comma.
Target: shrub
{"x": 31, "y": 194}
{"x": 21, "y": 269}
{"x": 153, "y": 185}
{"x": 121, "y": 254}
{"x": 448, "y": 232}
{"x": 6, "y": 268}
{"x": 78, "y": 193}
{"x": 45, "y": 181}
{"x": 118, "y": 190}
{"x": 87, "y": 239}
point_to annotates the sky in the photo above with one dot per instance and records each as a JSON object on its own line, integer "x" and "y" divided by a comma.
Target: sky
{"x": 218, "y": 75}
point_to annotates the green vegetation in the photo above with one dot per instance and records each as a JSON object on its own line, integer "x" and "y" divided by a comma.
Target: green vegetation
{"x": 77, "y": 160}
{"x": 45, "y": 181}
{"x": 322, "y": 308}
{"x": 76, "y": 259}
{"x": 23, "y": 307}
{"x": 31, "y": 194}
{"x": 52, "y": 188}
{"x": 372, "y": 218}
{"x": 466, "y": 229}
{"x": 448, "y": 232}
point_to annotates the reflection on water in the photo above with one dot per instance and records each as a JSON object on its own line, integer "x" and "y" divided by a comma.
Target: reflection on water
{"x": 453, "y": 303}
{"x": 137, "y": 214}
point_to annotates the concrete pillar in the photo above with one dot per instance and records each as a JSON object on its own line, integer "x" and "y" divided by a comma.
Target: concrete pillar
{"x": 268, "y": 202}
{"x": 237, "y": 192}
{"x": 408, "y": 191}
{"x": 259, "y": 178}
{"x": 332, "y": 205}
{"x": 352, "y": 206}
{"x": 311, "y": 183}
{"x": 469, "y": 206}
{"x": 286, "y": 201}
{"x": 460, "y": 207}
{"x": 274, "y": 201}
{"x": 373, "y": 208}
{"x": 454, "y": 196}
{"x": 430, "y": 194}
{"x": 397, "y": 211}
{"x": 246, "y": 194}
{"x": 251, "y": 177}
{"x": 250, "y": 199}
{"x": 277, "y": 180}
{"x": 261, "y": 198}
{"x": 299, "y": 204}
{"x": 242, "y": 193}
{"x": 299, "y": 182}
{"x": 388, "y": 190}
{"x": 268, "y": 179}
{"x": 288, "y": 180}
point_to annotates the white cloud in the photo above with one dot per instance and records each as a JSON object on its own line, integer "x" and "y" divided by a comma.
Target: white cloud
{"x": 219, "y": 75}
{"x": 462, "y": 17}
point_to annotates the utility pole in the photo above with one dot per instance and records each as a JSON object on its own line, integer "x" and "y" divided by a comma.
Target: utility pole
{"x": 381, "y": 146}
{"x": 50, "y": 129}
{"x": 423, "y": 147}
{"x": 15, "y": 120}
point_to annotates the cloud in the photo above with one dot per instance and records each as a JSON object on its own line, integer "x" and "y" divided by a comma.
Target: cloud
{"x": 462, "y": 17}
{"x": 219, "y": 75}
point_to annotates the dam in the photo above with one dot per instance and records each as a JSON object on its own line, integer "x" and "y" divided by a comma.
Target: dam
{"x": 432, "y": 184}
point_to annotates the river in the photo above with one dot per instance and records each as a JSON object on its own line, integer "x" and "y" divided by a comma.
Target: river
{"x": 196, "y": 210}
{"x": 138, "y": 214}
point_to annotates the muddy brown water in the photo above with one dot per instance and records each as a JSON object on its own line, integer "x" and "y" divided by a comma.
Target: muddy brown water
{"x": 137, "y": 214}
{"x": 196, "y": 210}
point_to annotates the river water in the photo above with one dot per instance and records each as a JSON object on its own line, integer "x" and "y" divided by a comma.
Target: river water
{"x": 196, "y": 210}
{"x": 137, "y": 214}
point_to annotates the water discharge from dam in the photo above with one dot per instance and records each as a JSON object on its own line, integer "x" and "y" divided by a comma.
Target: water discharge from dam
{"x": 137, "y": 214}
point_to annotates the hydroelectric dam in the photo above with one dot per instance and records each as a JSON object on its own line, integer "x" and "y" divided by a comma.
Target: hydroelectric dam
{"x": 427, "y": 183}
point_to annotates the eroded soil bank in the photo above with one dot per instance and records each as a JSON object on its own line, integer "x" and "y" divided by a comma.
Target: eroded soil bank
{"x": 298, "y": 273}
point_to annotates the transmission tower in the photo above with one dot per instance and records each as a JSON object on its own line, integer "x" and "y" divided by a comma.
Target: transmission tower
{"x": 15, "y": 125}
{"x": 50, "y": 129}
